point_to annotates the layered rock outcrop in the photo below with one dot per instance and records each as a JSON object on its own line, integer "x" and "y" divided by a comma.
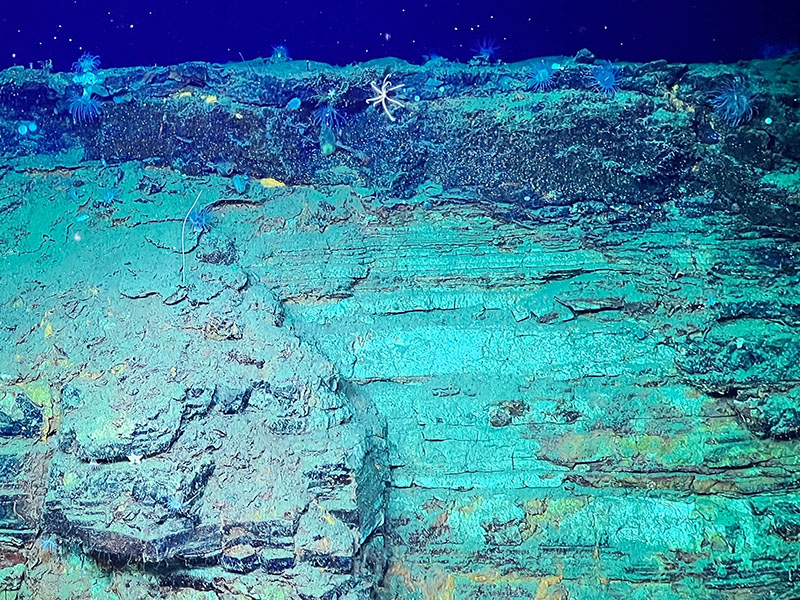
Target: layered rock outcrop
{"x": 516, "y": 343}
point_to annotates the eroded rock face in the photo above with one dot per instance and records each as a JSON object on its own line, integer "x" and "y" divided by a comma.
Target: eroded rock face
{"x": 531, "y": 345}
{"x": 216, "y": 452}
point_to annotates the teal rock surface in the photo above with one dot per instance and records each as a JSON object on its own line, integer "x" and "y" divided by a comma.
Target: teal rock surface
{"x": 512, "y": 344}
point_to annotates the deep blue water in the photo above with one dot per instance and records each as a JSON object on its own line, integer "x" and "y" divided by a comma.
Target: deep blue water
{"x": 170, "y": 31}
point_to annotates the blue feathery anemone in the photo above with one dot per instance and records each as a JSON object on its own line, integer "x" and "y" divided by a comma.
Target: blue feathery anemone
{"x": 280, "y": 53}
{"x": 485, "y": 49}
{"x": 200, "y": 220}
{"x": 84, "y": 107}
{"x": 86, "y": 63}
{"x": 49, "y": 545}
{"x": 605, "y": 78}
{"x": 106, "y": 202}
{"x": 176, "y": 504}
{"x": 541, "y": 79}
{"x": 734, "y": 101}
{"x": 327, "y": 116}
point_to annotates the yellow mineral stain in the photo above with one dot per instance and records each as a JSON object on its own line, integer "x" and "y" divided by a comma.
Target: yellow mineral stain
{"x": 238, "y": 115}
{"x": 211, "y": 99}
{"x": 401, "y": 572}
{"x": 676, "y": 103}
{"x": 469, "y": 509}
{"x": 325, "y": 514}
{"x": 440, "y": 587}
{"x": 48, "y": 330}
{"x": 545, "y": 584}
{"x": 39, "y": 394}
{"x": 492, "y": 575}
{"x": 269, "y": 182}
{"x": 184, "y": 94}
{"x": 487, "y": 576}
{"x": 119, "y": 369}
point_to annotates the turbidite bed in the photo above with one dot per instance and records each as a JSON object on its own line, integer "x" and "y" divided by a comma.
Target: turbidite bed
{"x": 513, "y": 344}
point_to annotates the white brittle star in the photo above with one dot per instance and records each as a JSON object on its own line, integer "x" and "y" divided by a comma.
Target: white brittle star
{"x": 382, "y": 96}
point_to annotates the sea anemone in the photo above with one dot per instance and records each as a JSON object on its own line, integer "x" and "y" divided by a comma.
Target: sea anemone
{"x": 49, "y": 545}
{"x": 108, "y": 199}
{"x": 86, "y": 63}
{"x": 327, "y": 116}
{"x": 200, "y": 220}
{"x": 280, "y": 53}
{"x": 734, "y": 101}
{"x": 84, "y": 107}
{"x": 485, "y": 49}
{"x": 176, "y": 504}
{"x": 605, "y": 78}
{"x": 540, "y": 79}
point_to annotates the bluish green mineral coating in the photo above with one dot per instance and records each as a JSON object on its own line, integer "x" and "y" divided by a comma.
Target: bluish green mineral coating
{"x": 527, "y": 340}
